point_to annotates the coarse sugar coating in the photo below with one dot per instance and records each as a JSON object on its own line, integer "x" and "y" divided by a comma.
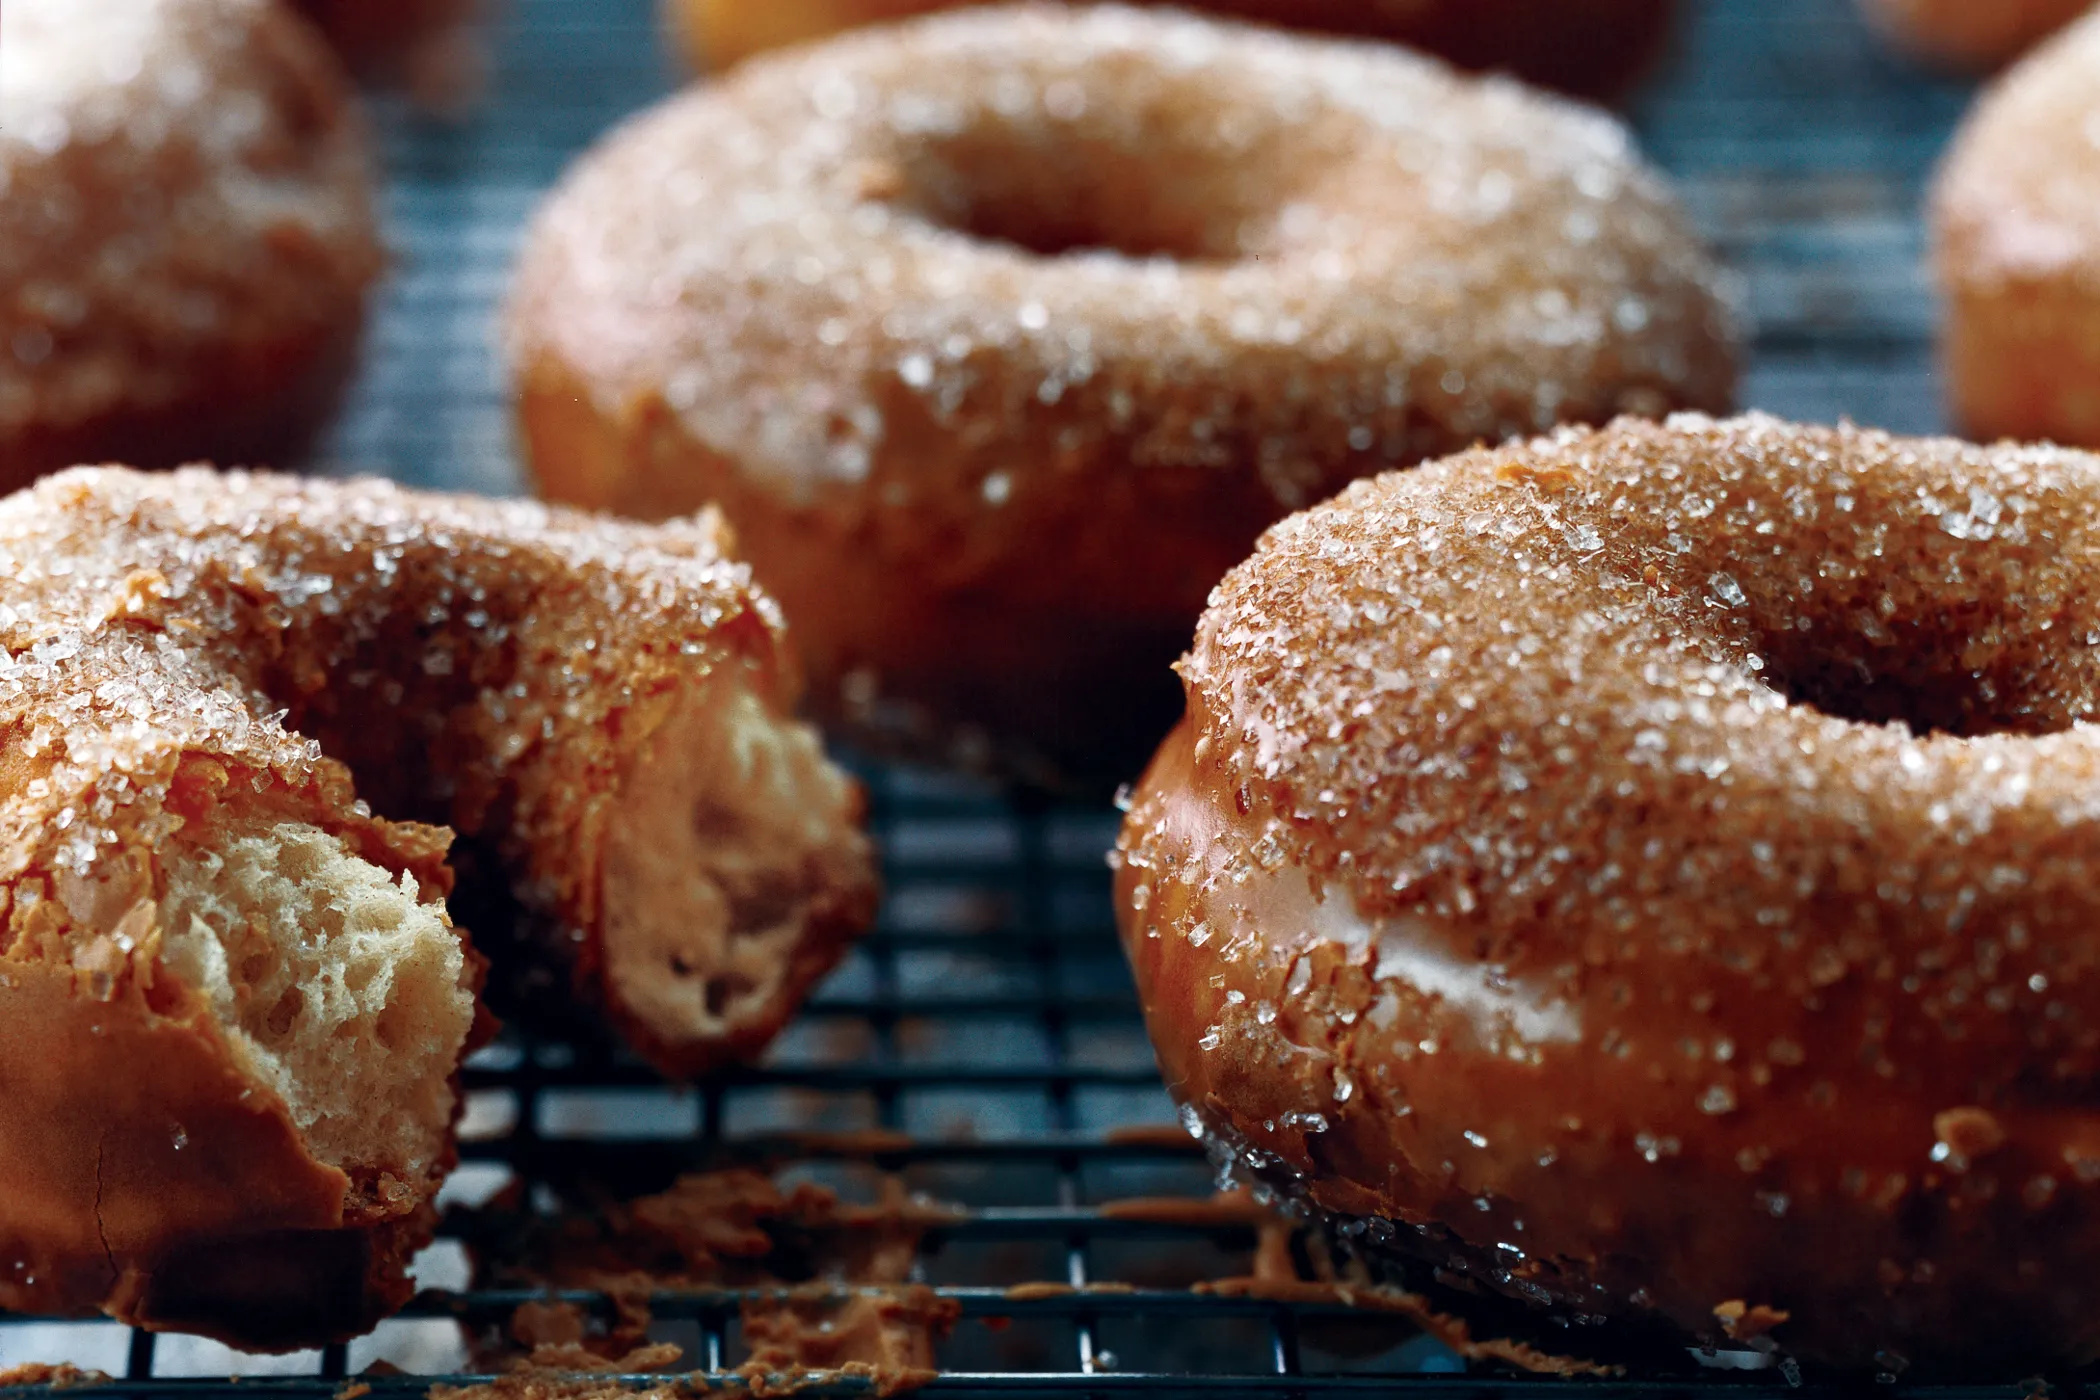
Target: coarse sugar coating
{"x": 231, "y": 1004}
{"x": 2016, "y": 230}
{"x": 1001, "y": 334}
{"x": 186, "y": 232}
{"x": 1651, "y": 872}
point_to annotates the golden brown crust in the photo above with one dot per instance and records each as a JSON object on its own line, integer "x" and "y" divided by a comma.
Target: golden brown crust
{"x": 1593, "y": 47}
{"x": 184, "y": 642}
{"x": 187, "y": 236}
{"x": 1548, "y": 866}
{"x": 2016, "y": 217}
{"x": 179, "y": 1197}
{"x": 993, "y": 478}
{"x": 1966, "y": 35}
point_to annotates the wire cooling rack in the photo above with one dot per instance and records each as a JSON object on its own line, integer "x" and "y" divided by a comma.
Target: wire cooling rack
{"x": 988, "y": 1029}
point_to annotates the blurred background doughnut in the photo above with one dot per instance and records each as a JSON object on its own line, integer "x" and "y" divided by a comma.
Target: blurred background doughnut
{"x": 1591, "y": 47}
{"x": 2016, "y": 228}
{"x": 1000, "y": 335}
{"x": 187, "y": 235}
{"x": 1969, "y": 35}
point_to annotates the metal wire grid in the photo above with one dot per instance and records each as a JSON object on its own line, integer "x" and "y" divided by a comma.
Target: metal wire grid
{"x": 989, "y": 1025}
{"x": 992, "y": 997}
{"x": 987, "y": 1029}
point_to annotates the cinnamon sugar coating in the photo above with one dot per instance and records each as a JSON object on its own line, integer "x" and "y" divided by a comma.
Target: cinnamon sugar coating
{"x": 1593, "y": 47}
{"x": 1651, "y": 871}
{"x": 1002, "y": 334}
{"x": 186, "y": 233}
{"x": 189, "y": 646}
{"x": 2016, "y": 228}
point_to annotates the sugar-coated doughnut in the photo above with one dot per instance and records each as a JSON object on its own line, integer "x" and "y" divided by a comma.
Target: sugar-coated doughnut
{"x": 381, "y": 31}
{"x": 428, "y": 44}
{"x": 186, "y": 233}
{"x": 1970, "y": 35}
{"x": 1651, "y": 873}
{"x": 2016, "y": 225}
{"x": 232, "y": 1005}
{"x": 1596, "y": 47}
{"x": 1001, "y": 334}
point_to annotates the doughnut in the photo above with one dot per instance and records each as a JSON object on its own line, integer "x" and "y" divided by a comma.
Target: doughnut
{"x": 1592, "y": 47}
{"x": 1647, "y": 875}
{"x": 186, "y": 233}
{"x": 232, "y": 1004}
{"x": 1966, "y": 36}
{"x": 1002, "y": 334}
{"x": 2016, "y": 232}
{"x": 429, "y": 44}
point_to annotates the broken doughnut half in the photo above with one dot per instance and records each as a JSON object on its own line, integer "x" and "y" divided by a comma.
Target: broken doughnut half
{"x": 232, "y": 1001}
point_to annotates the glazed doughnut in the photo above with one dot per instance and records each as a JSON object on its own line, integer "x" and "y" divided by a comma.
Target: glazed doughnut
{"x": 2016, "y": 226}
{"x": 1651, "y": 873}
{"x": 186, "y": 234}
{"x": 231, "y": 1003}
{"x": 1004, "y": 333}
{"x": 1965, "y": 35}
{"x": 1594, "y": 47}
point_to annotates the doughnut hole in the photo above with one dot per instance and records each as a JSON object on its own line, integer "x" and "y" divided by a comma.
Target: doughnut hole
{"x": 1936, "y": 625}
{"x": 719, "y": 857}
{"x": 1929, "y": 674}
{"x": 336, "y": 984}
{"x": 1086, "y": 168}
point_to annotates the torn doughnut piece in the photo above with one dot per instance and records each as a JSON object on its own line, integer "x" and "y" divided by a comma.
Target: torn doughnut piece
{"x": 232, "y": 1002}
{"x": 2016, "y": 247}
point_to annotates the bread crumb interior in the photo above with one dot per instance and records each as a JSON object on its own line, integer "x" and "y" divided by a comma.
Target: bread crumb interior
{"x": 340, "y": 988}
{"x": 730, "y": 829}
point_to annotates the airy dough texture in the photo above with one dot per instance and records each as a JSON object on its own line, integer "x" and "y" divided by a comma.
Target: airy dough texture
{"x": 186, "y": 232}
{"x": 729, "y": 845}
{"x": 336, "y": 983}
{"x": 432, "y": 47}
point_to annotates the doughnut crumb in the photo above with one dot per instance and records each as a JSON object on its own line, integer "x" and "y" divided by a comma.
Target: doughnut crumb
{"x": 731, "y": 836}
